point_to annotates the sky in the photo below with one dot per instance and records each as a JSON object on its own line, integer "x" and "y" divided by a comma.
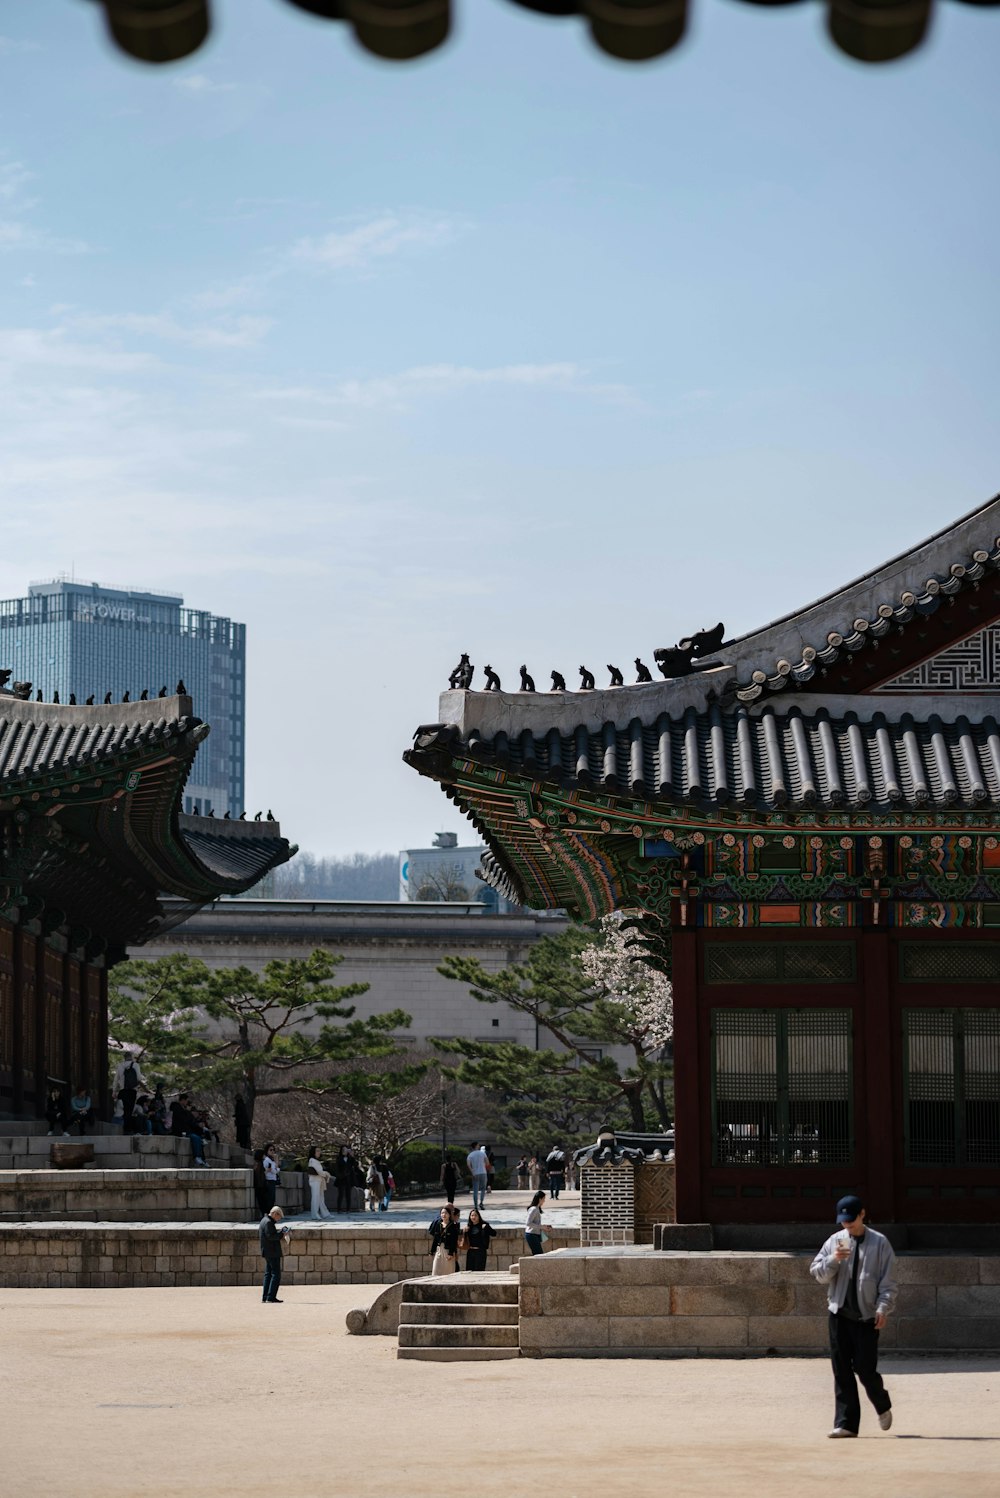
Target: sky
{"x": 515, "y": 350}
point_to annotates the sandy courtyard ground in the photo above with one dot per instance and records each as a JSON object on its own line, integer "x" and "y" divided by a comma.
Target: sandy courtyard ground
{"x": 115, "y": 1393}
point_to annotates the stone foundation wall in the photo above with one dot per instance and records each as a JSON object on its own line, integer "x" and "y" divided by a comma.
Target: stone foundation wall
{"x": 112, "y": 1256}
{"x": 117, "y": 1151}
{"x": 640, "y": 1303}
{"x": 194, "y": 1195}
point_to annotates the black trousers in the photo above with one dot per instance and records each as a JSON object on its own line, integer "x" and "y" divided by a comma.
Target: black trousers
{"x": 854, "y": 1351}
{"x": 272, "y": 1278}
{"x": 128, "y": 1096}
{"x": 343, "y": 1195}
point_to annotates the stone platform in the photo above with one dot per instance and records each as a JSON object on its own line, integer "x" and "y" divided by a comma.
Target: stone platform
{"x": 115, "y": 1151}
{"x": 638, "y": 1302}
{"x": 194, "y": 1194}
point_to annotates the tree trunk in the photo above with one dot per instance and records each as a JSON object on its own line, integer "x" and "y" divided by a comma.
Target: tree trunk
{"x": 633, "y": 1096}
{"x": 656, "y": 1089}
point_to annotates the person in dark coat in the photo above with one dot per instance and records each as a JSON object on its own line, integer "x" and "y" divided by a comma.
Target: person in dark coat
{"x": 272, "y": 1238}
{"x": 343, "y": 1174}
{"x": 477, "y": 1237}
{"x": 451, "y": 1179}
{"x": 241, "y": 1122}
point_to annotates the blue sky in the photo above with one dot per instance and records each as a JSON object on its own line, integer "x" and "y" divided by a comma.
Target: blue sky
{"x": 516, "y": 350}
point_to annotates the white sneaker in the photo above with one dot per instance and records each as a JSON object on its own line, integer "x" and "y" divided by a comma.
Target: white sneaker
{"x": 839, "y": 1433}
{"x": 885, "y": 1419}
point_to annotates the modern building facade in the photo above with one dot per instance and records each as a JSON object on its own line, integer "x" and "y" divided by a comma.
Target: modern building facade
{"x": 447, "y": 871}
{"x": 805, "y": 823}
{"x": 70, "y": 638}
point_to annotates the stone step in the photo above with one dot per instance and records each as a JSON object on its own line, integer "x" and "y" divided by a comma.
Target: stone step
{"x": 458, "y": 1337}
{"x": 470, "y": 1289}
{"x": 458, "y": 1354}
{"x": 454, "y": 1313}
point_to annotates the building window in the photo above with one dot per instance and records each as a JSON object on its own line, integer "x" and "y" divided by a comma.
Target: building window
{"x": 779, "y": 962}
{"x": 782, "y": 1087}
{"x": 949, "y": 962}
{"x": 951, "y": 1086}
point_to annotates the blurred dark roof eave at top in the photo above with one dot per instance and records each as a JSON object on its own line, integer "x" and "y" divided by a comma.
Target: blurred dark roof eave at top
{"x": 160, "y": 31}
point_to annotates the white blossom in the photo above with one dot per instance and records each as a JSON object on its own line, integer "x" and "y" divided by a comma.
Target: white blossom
{"x": 646, "y": 994}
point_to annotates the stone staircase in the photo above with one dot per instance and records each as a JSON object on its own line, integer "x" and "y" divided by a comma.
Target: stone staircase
{"x": 459, "y": 1318}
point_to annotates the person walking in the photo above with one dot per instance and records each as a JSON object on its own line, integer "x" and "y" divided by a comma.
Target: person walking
{"x": 319, "y": 1179}
{"x": 343, "y": 1174}
{"x": 534, "y": 1227}
{"x": 478, "y": 1162}
{"x": 445, "y": 1233}
{"x": 388, "y": 1185}
{"x": 374, "y": 1185}
{"x": 477, "y": 1240}
{"x": 451, "y": 1178}
{"x": 125, "y": 1087}
{"x": 272, "y": 1174}
{"x": 272, "y": 1240}
{"x": 857, "y": 1265}
{"x": 555, "y": 1164}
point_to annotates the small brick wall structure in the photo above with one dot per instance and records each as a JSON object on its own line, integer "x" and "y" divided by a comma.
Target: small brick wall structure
{"x": 643, "y": 1303}
{"x": 622, "y": 1204}
{"x": 114, "y": 1256}
{"x": 607, "y": 1205}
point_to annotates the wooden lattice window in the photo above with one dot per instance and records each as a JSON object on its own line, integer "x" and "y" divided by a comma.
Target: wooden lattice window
{"x": 779, "y": 962}
{"x": 782, "y": 1087}
{"x": 949, "y": 962}
{"x": 951, "y": 1086}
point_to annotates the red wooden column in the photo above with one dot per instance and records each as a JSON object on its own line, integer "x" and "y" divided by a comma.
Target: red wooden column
{"x": 876, "y": 1110}
{"x": 688, "y": 1085}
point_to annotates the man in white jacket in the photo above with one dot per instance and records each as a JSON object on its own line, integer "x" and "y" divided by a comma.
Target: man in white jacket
{"x": 857, "y": 1266}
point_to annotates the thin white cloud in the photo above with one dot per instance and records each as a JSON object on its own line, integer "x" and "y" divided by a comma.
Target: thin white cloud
{"x": 449, "y": 379}
{"x": 50, "y": 348}
{"x": 9, "y": 44}
{"x": 224, "y": 333}
{"x": 356, "y": 248}
{"x": 200, "y": 83}
{"x": 13, "y": 176}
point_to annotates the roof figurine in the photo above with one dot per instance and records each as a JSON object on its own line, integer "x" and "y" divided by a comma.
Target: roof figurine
{"x": 617, "y": 679}
{"x": 586, "y": 680}
{"x": 527, "y": 682}
{"x": 492, "y": 680}
{"x": 460, "y": 679}
{"x": 641, "y": 672}
{"x": 558, "y": 682}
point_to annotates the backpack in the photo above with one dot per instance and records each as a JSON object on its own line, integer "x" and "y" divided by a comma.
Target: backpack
{"x": 130, "y": 1077}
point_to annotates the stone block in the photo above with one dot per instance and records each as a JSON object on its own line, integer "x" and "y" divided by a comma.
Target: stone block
{"x": 714, "y": 1269}
{"x": 687, "y": 1237}
{"x": 917, "y": 1300}
{"x": 968, "y": 1300}
{"x": 644, "y": 1332}
{"x": 936, "y": 1269}
{"x": 625, "y": 1269}
{"x": 732, "y": 1300}
{"x": 800, "y": 1332}
{"x": 790, "y": 1269}
{"x": 989, "y": 1270}
{"x": 606, "y": 1300}
{"x": 564, "y": 1331}
{"x": 552, "y": 1269}
{"x": 530, "y": 1301}
{"x": 949, "y": 1333}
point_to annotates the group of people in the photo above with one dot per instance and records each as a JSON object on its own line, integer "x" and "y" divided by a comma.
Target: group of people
{"x": 449, "y": 1239}
{"x": 140, "y": 1112}
{"x": 558, "y": 1166}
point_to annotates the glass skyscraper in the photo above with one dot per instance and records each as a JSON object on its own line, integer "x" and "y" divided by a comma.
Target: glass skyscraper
{"x": 77, "y": 637}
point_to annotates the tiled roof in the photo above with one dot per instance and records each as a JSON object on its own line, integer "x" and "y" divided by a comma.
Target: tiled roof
{"x": 38, "y": 739}
{"x": 634, "y": 30}
{"x": 238, "y": 853}
{"x": 759, "y": 759}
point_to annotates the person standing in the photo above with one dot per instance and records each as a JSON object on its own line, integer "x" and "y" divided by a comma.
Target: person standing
{"x": 343, "y": 1174}
{"x": 374, "y": 1185}
{"x": 319, "y": 1179}
{"x": 272, "y": 1240}
{"x": 522, "y": 1173}
{"x": 534, "y": 1173}
{"x": 260, "y": 1183}
{"x": 555, "y": 1164}
{"x": 128, "y": 1080}
{"x": 856, "y": 1264}
{"x": 388, "y": 1185}
{"x": 478, "y": 1163}
{"x": 450, "y": 1179}
{"x": 241, "y": 1122}
{"x": 272, "y": 1174}
{"x": 445, "y": 1233}
{"x": 477, "y": 1240}
{"x": 534, "y": 1227}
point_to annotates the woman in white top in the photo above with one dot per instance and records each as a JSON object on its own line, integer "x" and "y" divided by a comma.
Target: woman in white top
{"x": 534, "y": 1226}
{"x": 319, "y": 1179}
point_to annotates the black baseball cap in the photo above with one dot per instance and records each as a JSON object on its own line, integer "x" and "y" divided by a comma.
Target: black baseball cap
{"x": 849, "y": 1207}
